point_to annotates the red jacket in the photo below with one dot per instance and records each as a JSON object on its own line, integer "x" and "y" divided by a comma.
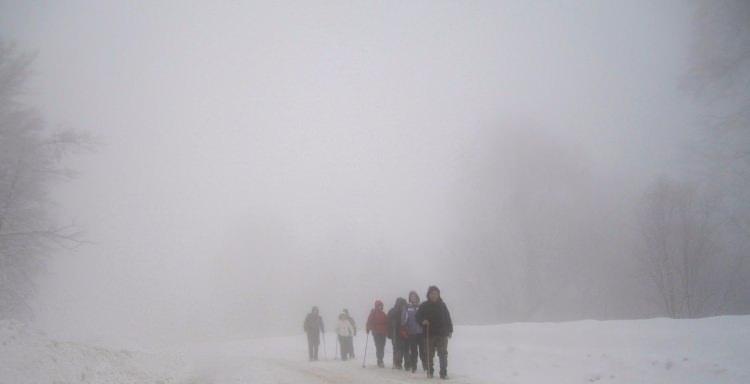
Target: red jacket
{"x": 377, "y": 322}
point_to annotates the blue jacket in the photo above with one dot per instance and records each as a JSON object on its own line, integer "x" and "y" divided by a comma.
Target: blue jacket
{"x": 409, "y": 319}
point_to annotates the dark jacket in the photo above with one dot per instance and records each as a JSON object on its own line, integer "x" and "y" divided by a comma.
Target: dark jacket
{"x": 438, "y": 316}
{"x": 394, "y": 318}
{"x": 314, "y": 324}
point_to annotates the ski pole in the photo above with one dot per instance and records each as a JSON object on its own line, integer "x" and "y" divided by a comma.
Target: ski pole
{"x": 365, "y": 354}
{"x": 325, "y": 352}
{"x": 336, "y": 352}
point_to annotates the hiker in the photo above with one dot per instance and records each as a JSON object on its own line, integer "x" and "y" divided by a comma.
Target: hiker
{"x": 345, "y": 331}
{"x": 434, "y": 316}
{"x": 377, "y": 322}
{"x": 398, "y": 338}
{"x": 313, "y": 327}
{"x": 354, "y": 327}
{"x": 415, "y": 338}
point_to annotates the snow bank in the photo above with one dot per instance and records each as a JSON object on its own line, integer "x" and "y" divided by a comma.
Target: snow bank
{"x": 713, "y": 350}
{"x": 29, "y": 356}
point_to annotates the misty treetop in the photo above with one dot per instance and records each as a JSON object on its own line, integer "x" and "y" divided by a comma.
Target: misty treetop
{"x": 31, "y": 162}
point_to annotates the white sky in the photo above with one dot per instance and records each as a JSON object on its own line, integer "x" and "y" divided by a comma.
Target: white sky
{"x": 251, "y": 146}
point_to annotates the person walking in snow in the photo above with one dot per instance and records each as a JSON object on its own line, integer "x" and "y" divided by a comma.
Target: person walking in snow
{"x": 398, "y": 338}
{"x": 377, "y": 322}
{"x": 354, "y": 327}
{"x": 434, "y": 316}
{"x": 415, "y": 338}
{"x": 313, "y": 328}
{"x": 345, "y": 331}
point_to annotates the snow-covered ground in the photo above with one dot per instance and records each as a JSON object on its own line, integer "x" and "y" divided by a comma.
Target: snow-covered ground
{"x": 714, "y": 350}
{"x": 29, "y": 356}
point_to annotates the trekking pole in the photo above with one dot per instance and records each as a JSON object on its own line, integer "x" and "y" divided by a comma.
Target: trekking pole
{"x": 336, "y": 352}
{"x": 365, "y": 354}
{"x": 429, "y": 352}
{"x": 325, "y": 352}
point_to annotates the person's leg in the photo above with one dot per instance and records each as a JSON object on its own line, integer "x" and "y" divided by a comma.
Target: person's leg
{"x": 342, "y": 347}
{"x": 316, "y": 346}
{"x": 350, "y": 346}
{"x": 401, "y": 352}
{"x": 310, "y": 346}
{"x": 394, "y": 348}
{"x": 350, "y": 340}
{"x": 422, "y": 351}
{"x": 380, "y": 348}
{"x": 411, "y": 352}
{"x": 442, "y": 351}
{"x": 430, "y": 341}
{"x": 414, "y": 351}
{"x": 409, "y": 342}
{"x": 405, "y": 352}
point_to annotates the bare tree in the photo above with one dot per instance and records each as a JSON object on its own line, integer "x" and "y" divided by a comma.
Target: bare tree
{"x": 30, "y": 163}
{"x": 681, "y": 253}
{"x": 719, "y": 78}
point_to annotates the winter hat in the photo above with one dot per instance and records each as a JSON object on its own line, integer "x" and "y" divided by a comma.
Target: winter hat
{"x": 432, "y": 288}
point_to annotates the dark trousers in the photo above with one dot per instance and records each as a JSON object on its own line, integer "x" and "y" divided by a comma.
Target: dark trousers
{"x": 415, "y": 348}
{"x": 313, "y": 342}
{"x": 347, "y": 347}
{"x": 439, "y": 344}
{"x": 399, "y": 351}
{"x": 379, "y": 346}
{"x": 350, "y": 344}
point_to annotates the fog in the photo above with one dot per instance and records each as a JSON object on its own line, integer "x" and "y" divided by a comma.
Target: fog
{"x": 257, "y": 159}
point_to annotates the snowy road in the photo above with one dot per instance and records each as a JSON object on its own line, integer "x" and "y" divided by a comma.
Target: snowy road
{"x": 713, "y": 350}
{"x": 283, "y": 360}
{"x": 286, "y": 371}
{"x": 660, "y": 351}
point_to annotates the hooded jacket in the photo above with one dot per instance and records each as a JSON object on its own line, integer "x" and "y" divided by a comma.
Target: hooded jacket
{"x": 438, "y": 316}
{"x": 377, "y": 322}
{"x": 409, "y": 318}
{"x": 344, "y": 328}
{"x": 394, "y": 318}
